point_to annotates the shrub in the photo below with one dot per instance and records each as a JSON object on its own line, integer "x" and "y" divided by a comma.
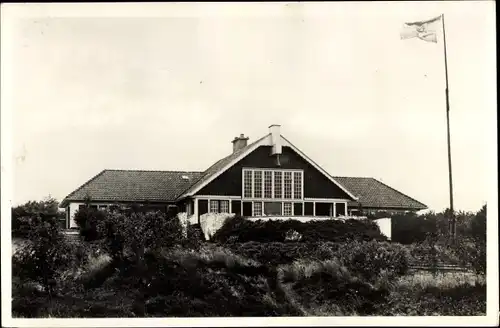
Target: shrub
{"x": 45, "y": 255}
{"x": 330, "y": 283}
{"x": 47, "y": 209}
{"x": 194, "y": 236}
{"x": 312, "y": 231}
{"x": 276, "y": 253}
{"x": 372, "y": 259}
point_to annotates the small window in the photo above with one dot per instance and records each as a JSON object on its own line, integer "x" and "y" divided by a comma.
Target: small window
{"x": 224, "y": 206}
{"x": 81, "y": 207}
{"x": 272, "y": 208}
{"x": 297, "y": 209}
{"x": 340, "y": 209}
{"x": 287, "y": 208}
{"x": 214, "y": 206}
{"x": 257, "y": 208}
{"x": 247, "y": 208}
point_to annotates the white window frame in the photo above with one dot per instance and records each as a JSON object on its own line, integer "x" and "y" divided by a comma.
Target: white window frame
{"x": 224, "y": 201}
{"x": 261, "y": 209}
{"x": 213, "y": 201}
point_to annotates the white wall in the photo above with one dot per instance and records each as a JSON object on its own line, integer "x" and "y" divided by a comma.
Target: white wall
{"x": 385, "y": 226}
{"x": 73, "y": 208}
{"x": 211, "y": 222}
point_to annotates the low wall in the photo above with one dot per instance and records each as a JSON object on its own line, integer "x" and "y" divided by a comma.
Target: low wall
{"x": 384, "y": 225}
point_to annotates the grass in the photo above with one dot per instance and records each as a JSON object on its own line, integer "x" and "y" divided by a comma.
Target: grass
{"x": 444, "y": 280}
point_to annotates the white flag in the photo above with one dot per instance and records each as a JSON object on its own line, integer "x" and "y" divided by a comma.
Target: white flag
{"x": 424, "y": 30}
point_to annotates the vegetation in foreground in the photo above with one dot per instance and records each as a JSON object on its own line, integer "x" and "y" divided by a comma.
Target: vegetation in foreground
{"x": 126, "y": 268}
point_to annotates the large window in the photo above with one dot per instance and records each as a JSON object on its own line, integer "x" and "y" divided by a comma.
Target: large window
{"x": 287, "y": 209}
{"x": 272, "y": 184}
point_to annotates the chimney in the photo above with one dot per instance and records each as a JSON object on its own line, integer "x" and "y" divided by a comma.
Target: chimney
{"x": 275, "y": 139}
{"x": 239, "y": 142}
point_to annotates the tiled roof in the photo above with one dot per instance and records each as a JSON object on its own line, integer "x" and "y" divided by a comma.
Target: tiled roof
{"x": 220, "y": 165}
{"x": 134, "y": 185}
{"x": 375, "y": 194}
{"x": 168, "y": 186}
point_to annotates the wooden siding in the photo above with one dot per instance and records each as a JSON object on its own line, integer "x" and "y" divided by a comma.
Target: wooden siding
{"x": 316, "y": 185}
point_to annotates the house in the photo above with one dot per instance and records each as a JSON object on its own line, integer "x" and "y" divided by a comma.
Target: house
{"x": 268, "y": 177}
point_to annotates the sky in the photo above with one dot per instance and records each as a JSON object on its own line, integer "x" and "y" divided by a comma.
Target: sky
{"x": 168, "y": 86}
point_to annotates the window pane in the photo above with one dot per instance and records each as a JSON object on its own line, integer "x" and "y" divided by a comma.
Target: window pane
{"x": 287, "y": 209}
{"x": 247, "y": 208}
{"x": 247, "y": 180}
{"x": 297, "y": 185}
{"x": 288, "y": 185}
{"x": 224, "y": 206}
{"x": 214, "y": 206}
{"x": 340, "y": 209}
{"x": 278, "y": 184}
{"x": 268, "y": 184}
{"x": 257, "y": 187}
{"x": 308, "y": 208}
{"x": 257, "y": 208}
{"x": 297, "y": 209}
{"x": 272, "y": 208}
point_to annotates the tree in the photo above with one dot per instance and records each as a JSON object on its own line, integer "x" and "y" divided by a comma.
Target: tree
{"x": 45, "y": 256}
{"x": 22, "y": 214}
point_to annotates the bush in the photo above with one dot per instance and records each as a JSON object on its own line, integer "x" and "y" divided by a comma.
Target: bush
{"x": 321, "y": 283}
{"x": 194, "y": 236}
{"x": 372, "y": 259}
{"x": 45, "y": 256}
{"x": 276, "y": 230}
{"x": 276, "y": 253}
{"x": 46, "y": 209}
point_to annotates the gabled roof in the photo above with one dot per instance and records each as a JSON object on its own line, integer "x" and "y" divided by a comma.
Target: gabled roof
{"x": 134, "y": 186}
{"x": 224, "y": 164}
{"x": 220, "y": 166}
{"x": 375, "y": 194}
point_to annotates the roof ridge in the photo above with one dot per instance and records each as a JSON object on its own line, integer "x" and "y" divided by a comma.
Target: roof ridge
{"x": 207, "y": 172}
{"x": 351, "y": 177}
{"x": 400, "y": 192}
{"x": 134, "y": 170}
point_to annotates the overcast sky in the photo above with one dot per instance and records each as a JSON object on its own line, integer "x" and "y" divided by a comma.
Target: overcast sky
{"x": 171, "y": 89}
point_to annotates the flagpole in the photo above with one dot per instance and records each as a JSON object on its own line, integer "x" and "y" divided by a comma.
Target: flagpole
{"x": 452, "y": 212}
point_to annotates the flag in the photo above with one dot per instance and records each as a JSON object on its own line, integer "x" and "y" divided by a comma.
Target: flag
{"x": 424, "y": 30}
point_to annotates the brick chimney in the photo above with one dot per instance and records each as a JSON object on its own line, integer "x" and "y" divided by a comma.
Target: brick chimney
{"x": 239, "y": 142}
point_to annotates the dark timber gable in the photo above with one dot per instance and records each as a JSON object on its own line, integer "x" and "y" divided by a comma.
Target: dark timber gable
{"x": 316, "y": 185}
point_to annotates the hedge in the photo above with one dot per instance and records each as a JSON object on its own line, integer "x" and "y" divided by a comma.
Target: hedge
{"x": 239, "y": 229}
